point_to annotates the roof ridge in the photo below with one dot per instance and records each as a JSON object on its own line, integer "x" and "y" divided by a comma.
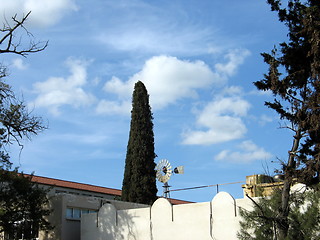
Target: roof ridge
{"x": 84, "y": 186}
{"x": 61, "y": 180}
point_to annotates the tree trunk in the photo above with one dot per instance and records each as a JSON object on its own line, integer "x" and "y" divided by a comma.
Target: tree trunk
{"x": 282, "y": 224}
{"x": 289, "y": 173}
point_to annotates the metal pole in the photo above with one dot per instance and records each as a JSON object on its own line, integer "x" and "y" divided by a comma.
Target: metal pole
{"x": 166, "y": 191}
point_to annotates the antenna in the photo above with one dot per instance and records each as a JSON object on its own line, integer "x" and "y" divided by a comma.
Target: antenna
{"x": 164, "y": 172}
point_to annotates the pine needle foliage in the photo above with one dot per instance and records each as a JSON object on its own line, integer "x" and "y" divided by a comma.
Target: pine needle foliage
{"x": 261, "y": 222}
{"x": 294, "y": 80}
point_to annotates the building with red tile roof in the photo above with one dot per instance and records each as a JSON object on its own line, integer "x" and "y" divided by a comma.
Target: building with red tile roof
{"x": 90, "y": 189}
{"x": 69, "y": 200}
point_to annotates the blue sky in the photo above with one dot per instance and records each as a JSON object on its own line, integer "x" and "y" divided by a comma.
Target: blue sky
{"x": 198, "y": 60}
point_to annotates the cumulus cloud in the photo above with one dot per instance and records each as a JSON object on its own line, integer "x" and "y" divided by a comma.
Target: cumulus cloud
{"x": 168, "y": 79}
{"x": 219, "y": 121}
{"x": 58, "y": 91}
{"x": 43, "y": 13}
{"x": 116, "y": 86}
{"x": 248, "y": 152}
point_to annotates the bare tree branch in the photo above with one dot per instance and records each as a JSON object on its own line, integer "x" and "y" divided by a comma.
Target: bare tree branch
{"x": 7, "y": 41}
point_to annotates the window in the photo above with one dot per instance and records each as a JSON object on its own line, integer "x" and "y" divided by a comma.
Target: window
{"x": 85, "y": 194}
{"x": 74, "y": 193}
{"x": 69, "y": 213}
{"x": 84, "y": 211}
{"x": 75, "y": 213}
{"x": 60, "y": 191}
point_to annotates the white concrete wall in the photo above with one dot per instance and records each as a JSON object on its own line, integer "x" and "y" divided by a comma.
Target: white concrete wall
{"x": 186, "y": 221}
{"x": 69, "y": 228}
{"x": 110, "y": 223}
{"x": 218, "y": 219}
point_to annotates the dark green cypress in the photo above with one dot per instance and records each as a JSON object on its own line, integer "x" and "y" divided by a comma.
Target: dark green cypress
{"x": 139, "y": 182}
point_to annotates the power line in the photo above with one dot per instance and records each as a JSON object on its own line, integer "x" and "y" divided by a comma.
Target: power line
{"x": 204, "y": 186}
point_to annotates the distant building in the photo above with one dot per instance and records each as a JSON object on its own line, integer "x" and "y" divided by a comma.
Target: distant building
{"x": 70, "y": 200}
{"x": 260, "y": 185}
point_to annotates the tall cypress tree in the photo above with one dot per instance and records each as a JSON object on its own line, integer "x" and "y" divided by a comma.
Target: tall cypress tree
{"x": 139, "y": 182}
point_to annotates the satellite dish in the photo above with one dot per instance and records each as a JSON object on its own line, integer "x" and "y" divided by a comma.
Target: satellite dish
{"x": 164, "y": 172}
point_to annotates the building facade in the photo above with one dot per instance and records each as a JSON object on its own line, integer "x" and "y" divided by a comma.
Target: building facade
{"x": 260, "y": 185}
{"x": 69, "y": 201}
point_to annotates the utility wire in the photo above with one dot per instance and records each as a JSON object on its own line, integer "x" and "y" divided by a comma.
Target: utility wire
{"x": 213, "y": 185}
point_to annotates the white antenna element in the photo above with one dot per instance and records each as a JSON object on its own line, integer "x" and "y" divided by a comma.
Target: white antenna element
{"x": 164, "y": 172}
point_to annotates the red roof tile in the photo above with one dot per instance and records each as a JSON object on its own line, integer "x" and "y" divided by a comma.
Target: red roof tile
{"x": 86, "y": 187}
{"x": 75, "y": 185}
{"x": 177, "y": 201}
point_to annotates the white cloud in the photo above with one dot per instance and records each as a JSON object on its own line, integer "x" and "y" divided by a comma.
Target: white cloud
{"x": 232, "y": 91}
{"x": 257, "y": 92}
{"x": 156, "y": 39}
{"x": 249, "y": 152}
{"x": 156, "y": 31}
{"x": 221, "y": 120}
{"x": 116, "y": 86}
{"x": 112, "y": 107}
{"x": 167, "y": 79}
{"x": 234, "y": 57}
{"x": 19, "y": 64}
{"x": 58, "y": 91}
{"x": 43, "y": 13}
